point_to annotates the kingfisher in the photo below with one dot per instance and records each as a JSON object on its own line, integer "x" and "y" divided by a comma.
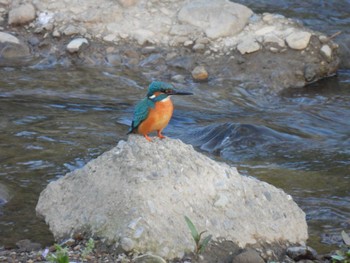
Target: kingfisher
{"x": 154, "y": 112}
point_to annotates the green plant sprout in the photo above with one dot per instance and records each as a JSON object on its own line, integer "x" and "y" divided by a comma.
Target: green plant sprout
{"x": 61, "y": 255}
{"x": 90, "y": 245}
{"x": 201, "y": 244}
{"x": 343, "y": 254}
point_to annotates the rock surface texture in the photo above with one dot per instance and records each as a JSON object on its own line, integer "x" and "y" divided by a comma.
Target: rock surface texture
{"x": 138, "y": 193}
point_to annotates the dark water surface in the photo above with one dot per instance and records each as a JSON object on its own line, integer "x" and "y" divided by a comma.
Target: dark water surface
{"x": 55, "y": 120}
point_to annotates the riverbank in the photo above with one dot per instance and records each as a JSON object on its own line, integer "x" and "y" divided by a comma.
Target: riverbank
{"x": 268, "y": 50}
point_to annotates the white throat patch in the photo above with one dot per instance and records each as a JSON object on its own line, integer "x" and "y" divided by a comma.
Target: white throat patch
{"x": 166, "y": 99}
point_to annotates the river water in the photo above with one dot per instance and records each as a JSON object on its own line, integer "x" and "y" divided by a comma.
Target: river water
{"x": 54, "y": 120}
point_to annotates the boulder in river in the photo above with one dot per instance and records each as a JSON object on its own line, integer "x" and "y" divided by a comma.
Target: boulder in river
{"x": 137, "y": 194}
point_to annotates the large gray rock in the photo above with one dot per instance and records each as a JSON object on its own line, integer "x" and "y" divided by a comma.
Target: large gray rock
{"x": 138, "y": 193}
{"x": 219, "y": 18}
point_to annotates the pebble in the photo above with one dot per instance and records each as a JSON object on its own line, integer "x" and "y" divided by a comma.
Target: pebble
{"x": 298, "y": 40}
{"x": 178, "y": 78}
{"x": 5, "y": 37}
{"x": 248, "y": 46}
{"x": 22, "y": 14}
{"x": 272, "y": 38}
{"x": 301, "y": 252}
{"x": 198, "y": 47}
{"x": 76, "y": 44}
{"x": 199, "y": 73}
{"x": 326, "y": 51}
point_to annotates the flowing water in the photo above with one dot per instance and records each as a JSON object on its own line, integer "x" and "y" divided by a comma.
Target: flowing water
{"x": 54, "y": 120}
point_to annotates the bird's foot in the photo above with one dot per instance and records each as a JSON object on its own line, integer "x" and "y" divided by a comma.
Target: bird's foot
{"x": 147, "y": 137}
{"x": 160, "y": 135}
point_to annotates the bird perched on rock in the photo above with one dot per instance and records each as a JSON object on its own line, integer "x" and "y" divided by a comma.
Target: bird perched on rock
{"x": 154, "y": 112}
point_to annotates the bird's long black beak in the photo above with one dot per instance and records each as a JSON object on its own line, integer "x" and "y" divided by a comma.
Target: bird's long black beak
{"x": 176, "y": 92}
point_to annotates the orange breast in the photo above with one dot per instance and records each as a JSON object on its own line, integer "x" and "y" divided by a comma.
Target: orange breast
{"x": 158, "y": 118}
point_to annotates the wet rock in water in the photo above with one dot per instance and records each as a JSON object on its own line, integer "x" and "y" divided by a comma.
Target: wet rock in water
{"x": 137, "y": 191}
{"x": 199, "y": 73}
{"x": 298, "y": 40}
{"x": 326, "y": 51}
{"x": 178, "y": 78}
{"x": 248, "y": 256}
{"x": 11, "y": 47}
{"x": 216, "y": 18}
{"x": 185, "y": 62}
{"x": 301, "y": 252}
{"x": 11, "y": 51}
{"x": 114, "y": 59}
{"x": 22, "y": 14}
{"x": 5, "y": 37}
{"x": 76, "y": 44}
{"x": 27, "y": 245}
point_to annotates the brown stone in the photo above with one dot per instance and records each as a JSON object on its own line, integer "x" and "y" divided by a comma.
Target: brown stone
{"x": 199, "y": 73}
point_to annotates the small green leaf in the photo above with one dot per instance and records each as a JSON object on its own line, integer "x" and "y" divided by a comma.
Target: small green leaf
{"x": 345, "y": 237}
{"x": 337, "y": 257}
{"x": 204, "y": 243}
{"x": 193, "y": 230}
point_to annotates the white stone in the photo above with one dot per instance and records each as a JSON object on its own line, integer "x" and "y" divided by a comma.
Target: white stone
{"x": 265, "y": 30}
{"x": 298, "y": 40}
{"x": 5, "y": 37}
{"x": 247, "y": 46}
{"x": 119, "y": 186}
{"x": 218, "y": 18}
{"x": 142, "y": 36}
{"x": 327, "y": 51}
{"x": 272, "y": 38}
{"x": 110, "y": 37}
{"x": 22, "y": 14}
{"x": 76, "y": 44}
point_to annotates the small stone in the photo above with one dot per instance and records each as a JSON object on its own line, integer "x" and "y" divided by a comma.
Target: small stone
{"x": 248, "y": 256}
{"x": 15, "y": 51}
{"x": 298, "y": 40}
{"x": 272, "y": 38}
{"x": 178, "y": 78}
{"x": 199, "y": 73}
{"x": 127, "y": 244}
{"x": 71, "y": 30}
{"x": 110, "y": 38}
{"x": 188, "y": 43}
{"x": 326, "y": 51}
{"x": 55, "y": 33}
{"x": 302, "y": 252}
{"x": 143, "y": 35}
{"x": 324, "y": 39}
{"x": 34, "y": 41}
{"x": 267, "y": 17}
{"x": 198, "y": 47}
{"x": 5, "y": 37}
{"x": 76, "y": 44}
{"x": 22, "y": 14}
{"x": 114, "y": 59}
{"x": 148, "y": 259}
{"x": 248, "y": 46}
{"x": 202, "y": 40}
